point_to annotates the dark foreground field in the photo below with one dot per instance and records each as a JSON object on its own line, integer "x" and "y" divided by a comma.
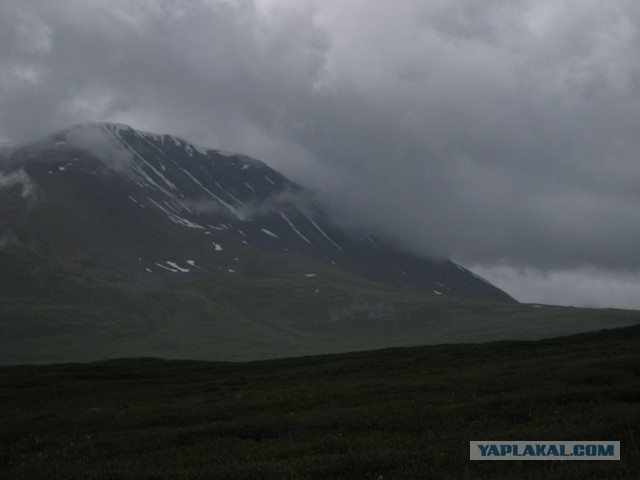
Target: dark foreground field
{"x": 391, "y": 414}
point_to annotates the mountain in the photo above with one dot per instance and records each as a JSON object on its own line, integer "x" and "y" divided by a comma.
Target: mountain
{"x": 146, "y": 209}
{"x": 117, "y": 243}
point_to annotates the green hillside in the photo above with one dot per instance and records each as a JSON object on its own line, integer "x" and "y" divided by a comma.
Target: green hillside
{"x": 49, "y": 316}
{"x": 389, "y": 414}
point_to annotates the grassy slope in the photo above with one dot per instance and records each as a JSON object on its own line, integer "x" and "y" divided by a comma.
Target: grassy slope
{"x": 233, "y": 317}
{"x": 389, "y": 414}
{"x": 47, "y": 317}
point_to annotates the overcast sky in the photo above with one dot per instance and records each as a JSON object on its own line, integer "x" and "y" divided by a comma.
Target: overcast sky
{"x": 502, "y": 134}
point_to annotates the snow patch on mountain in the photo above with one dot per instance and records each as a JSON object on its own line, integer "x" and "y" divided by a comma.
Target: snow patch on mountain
{"x": 286, "y": 219}
{"x": 177, "y": 267}
{"x": 321, "y": 231}
{"x": 167, "y": 268}
{"x": 176, "y": 218}
{"x": 233, "y": 210}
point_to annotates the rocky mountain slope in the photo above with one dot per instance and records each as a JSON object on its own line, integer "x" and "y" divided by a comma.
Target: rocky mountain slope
{"x": 109, "y": 202}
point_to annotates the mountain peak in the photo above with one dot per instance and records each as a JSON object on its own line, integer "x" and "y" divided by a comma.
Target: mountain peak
{"x": 121, "y": 129}
{"x": 151, "y": 208}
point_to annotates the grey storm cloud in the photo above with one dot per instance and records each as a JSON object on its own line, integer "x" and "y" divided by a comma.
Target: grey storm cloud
{"x": 505, "y": 135}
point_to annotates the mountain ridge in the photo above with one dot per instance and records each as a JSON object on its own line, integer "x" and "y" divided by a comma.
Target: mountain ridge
{"x": 103, "y": 175}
